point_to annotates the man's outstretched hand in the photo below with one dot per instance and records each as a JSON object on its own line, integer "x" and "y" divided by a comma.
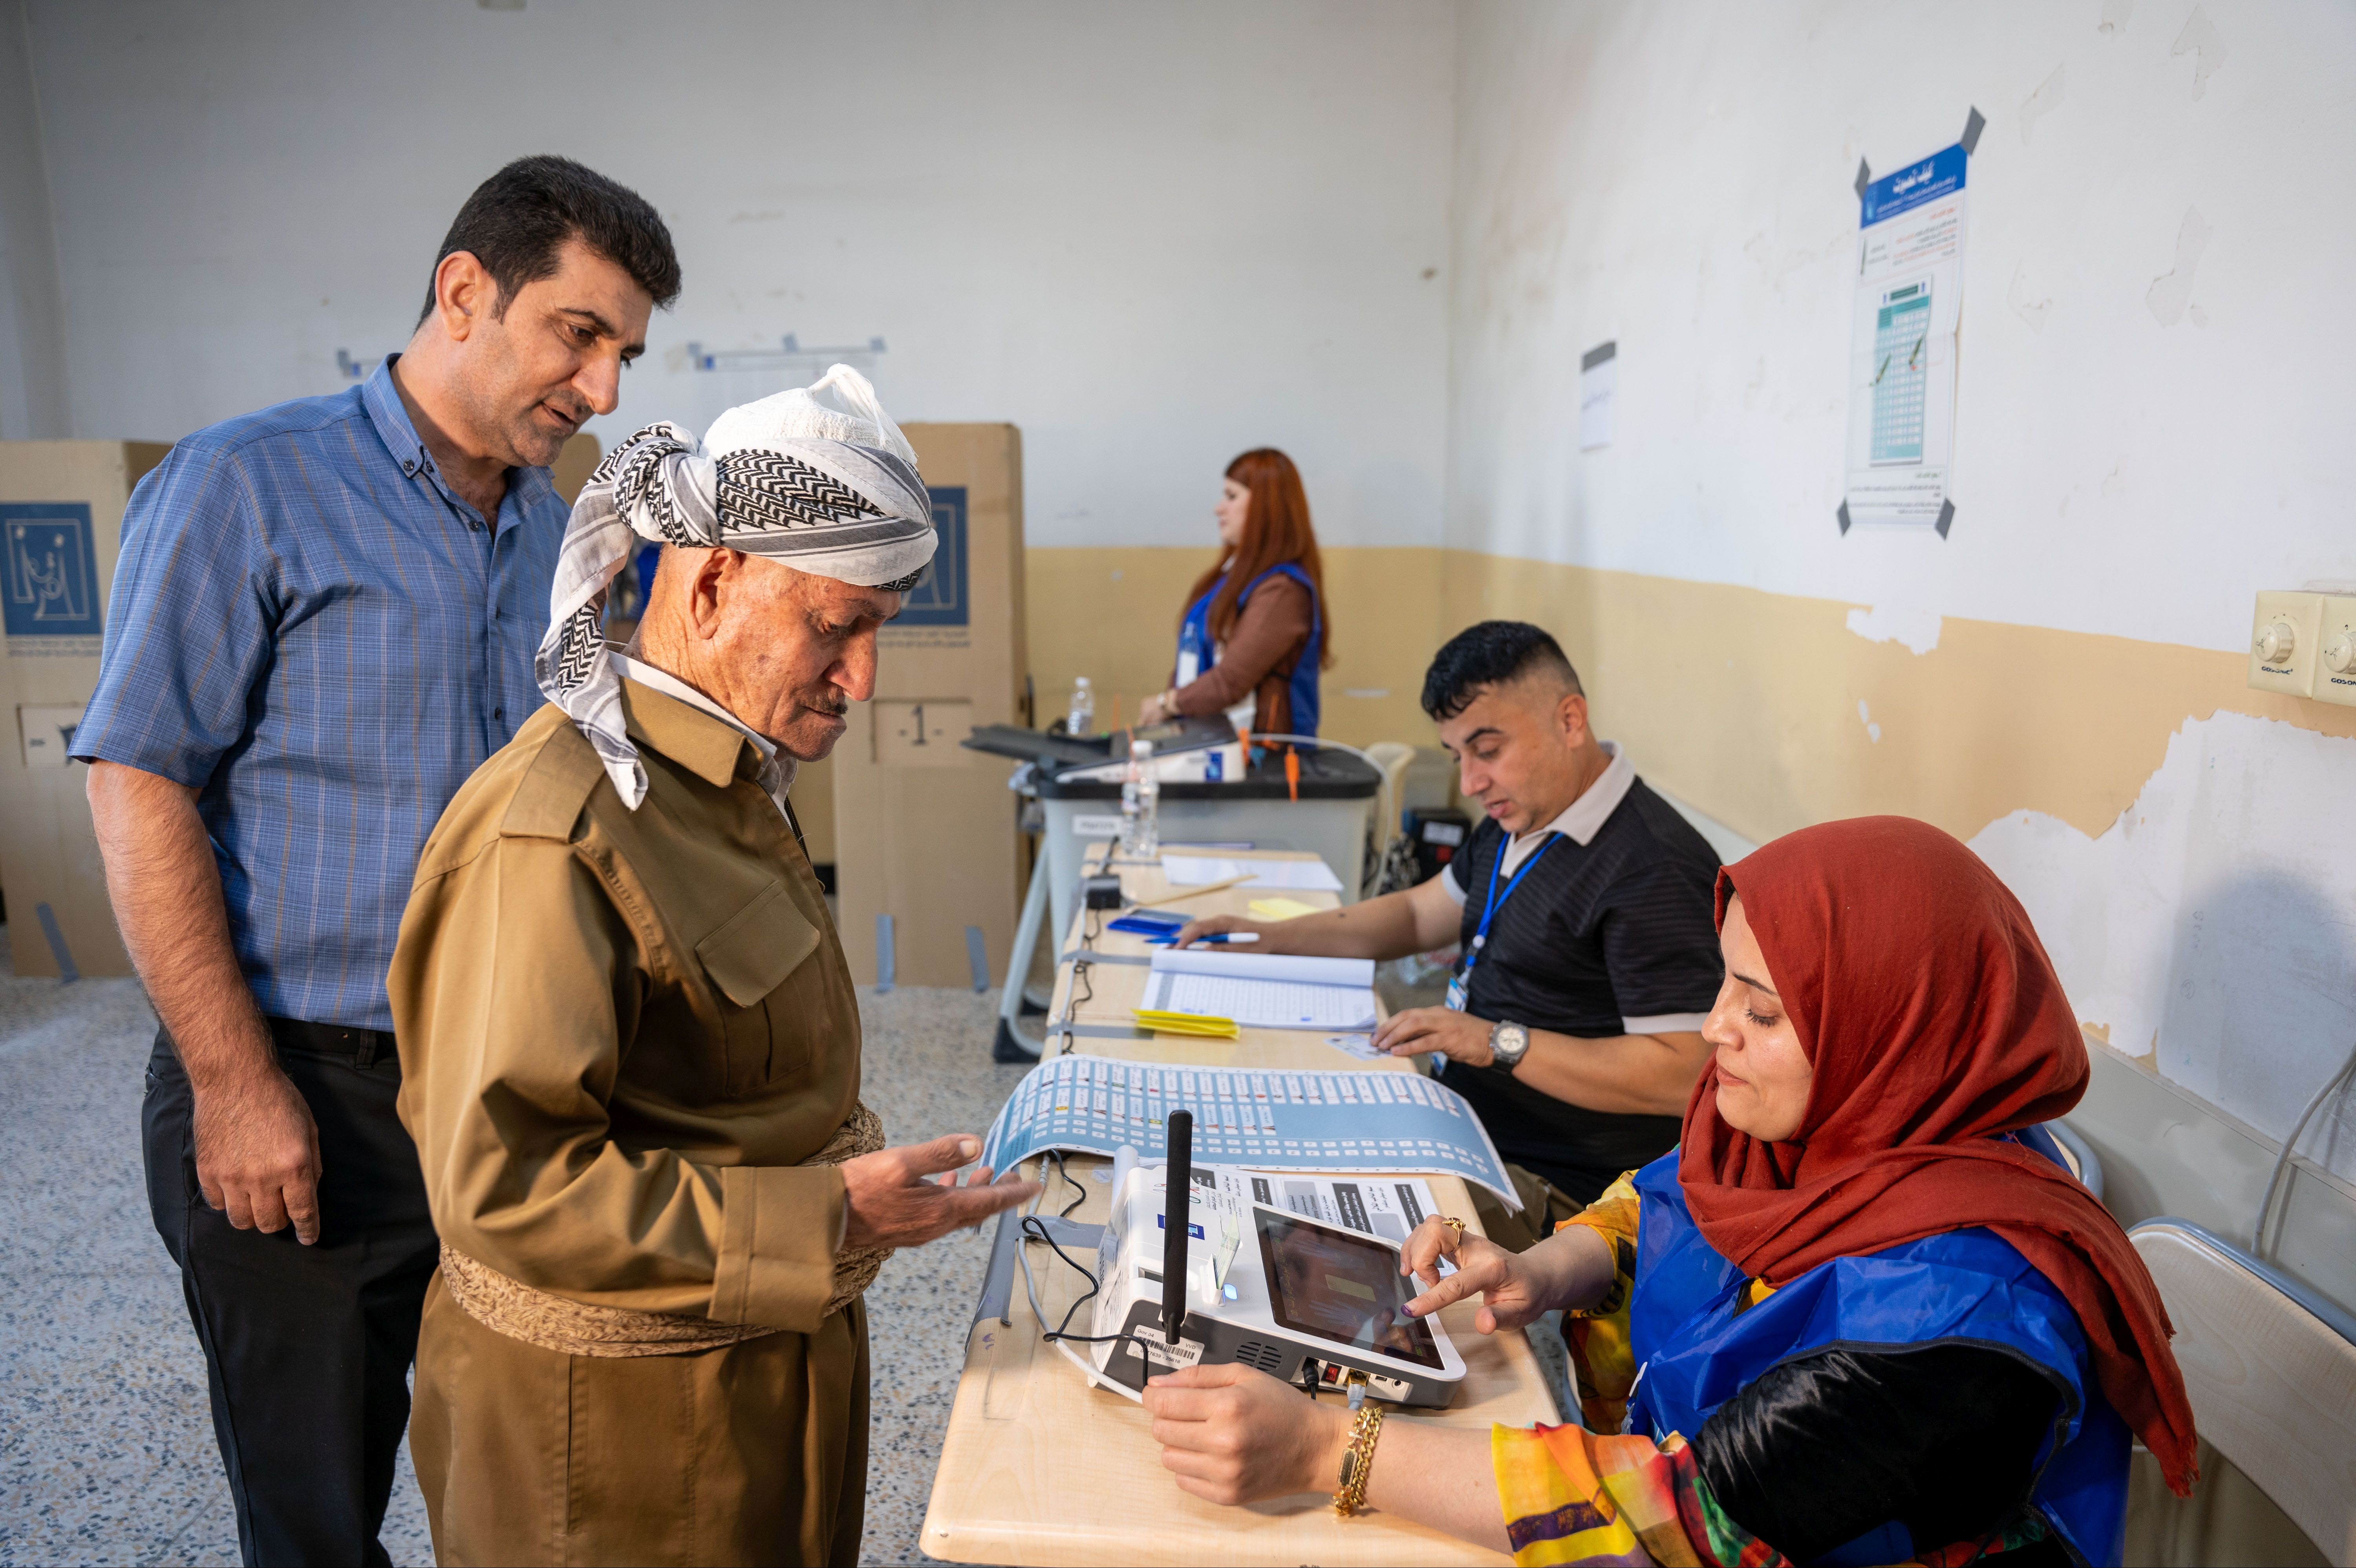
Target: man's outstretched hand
{"x": 890, "y": 1203}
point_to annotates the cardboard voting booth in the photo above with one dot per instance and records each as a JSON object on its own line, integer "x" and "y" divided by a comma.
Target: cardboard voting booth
{"x": 928, "y": 852}
{"x": 60, "y": 524}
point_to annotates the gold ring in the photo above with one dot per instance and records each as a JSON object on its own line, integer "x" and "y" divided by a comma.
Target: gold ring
{"x": 1453, "y": 1223}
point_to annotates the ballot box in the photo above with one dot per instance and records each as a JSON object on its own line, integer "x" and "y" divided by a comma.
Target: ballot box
{"x": 1323, "y": 811}
{"x": 928, "y": 855}
{"x": 61, "y": 524}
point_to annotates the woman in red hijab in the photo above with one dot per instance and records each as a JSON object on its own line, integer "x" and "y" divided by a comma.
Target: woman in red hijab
{"x": 1866, "y": 1321}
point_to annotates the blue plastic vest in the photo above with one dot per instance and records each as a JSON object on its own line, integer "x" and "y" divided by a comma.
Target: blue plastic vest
{"x": 1195, "y": 637}
{"x": 1695, "y": 1352}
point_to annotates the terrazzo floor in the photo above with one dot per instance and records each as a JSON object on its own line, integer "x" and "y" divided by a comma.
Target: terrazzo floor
{"x": 106, "y": 1446}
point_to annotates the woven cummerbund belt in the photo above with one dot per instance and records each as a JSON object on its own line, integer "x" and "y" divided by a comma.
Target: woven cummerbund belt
{"x": 577, "y": 1329}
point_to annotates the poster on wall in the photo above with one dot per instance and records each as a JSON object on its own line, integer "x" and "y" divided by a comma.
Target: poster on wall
{"x": 1909, "y": 300}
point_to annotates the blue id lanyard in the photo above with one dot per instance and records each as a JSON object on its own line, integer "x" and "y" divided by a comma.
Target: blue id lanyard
{"x": 1460, "y": 985}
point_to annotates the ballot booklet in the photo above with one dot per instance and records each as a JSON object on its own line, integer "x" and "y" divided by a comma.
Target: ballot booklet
{"x": 1264, "y": 990}
{"x": 1391, "y": 1124}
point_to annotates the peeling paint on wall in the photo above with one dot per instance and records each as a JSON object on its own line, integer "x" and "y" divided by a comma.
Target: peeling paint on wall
{"x": 1917, "y": 629}
{"x": 2032, "y": 311}
{"x": 2199, "y": 38}
{"x": 2044, "y": 100}
{"x": 2172, "y": 290}
{"x": 2216, "y": 918}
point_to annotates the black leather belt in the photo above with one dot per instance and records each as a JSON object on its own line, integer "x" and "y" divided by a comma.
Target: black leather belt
{"x": 365, "y": 1047}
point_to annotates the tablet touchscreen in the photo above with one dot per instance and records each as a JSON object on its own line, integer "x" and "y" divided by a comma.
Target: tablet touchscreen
{"x": 1338, "y": 1286}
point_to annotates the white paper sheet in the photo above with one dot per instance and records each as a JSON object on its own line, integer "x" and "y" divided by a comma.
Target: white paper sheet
{"x": 1264, "y": 991}
{"x": 1390, "y": 1208}
{"x": 1300, "y": 876}
{"x": 1263, "y": 1004}
{"x": 1356, "y": 972}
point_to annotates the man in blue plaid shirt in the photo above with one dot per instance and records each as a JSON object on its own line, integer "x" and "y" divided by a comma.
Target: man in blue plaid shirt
{"x": 323, "y": 620}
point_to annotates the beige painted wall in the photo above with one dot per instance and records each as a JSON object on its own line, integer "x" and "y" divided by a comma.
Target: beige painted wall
{"x": 1745, "y": 703}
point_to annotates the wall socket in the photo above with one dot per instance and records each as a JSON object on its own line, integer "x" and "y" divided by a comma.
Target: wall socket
{"x": 2304, "y": 645}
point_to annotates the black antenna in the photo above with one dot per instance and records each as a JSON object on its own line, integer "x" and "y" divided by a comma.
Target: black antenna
{"x": 1178, "y": 1180}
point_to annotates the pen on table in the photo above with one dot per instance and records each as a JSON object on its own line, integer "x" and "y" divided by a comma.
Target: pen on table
{"x": 1217, "y": 938}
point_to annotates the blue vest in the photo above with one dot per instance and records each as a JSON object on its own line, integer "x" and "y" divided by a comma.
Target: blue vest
{"x": 1971, "y": 1286}
{"x": 1195, "y": 637}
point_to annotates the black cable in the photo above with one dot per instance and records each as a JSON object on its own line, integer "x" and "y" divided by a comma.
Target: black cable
{"x": 1038, "y": 1232}
{"x": 1069, "y": 1180}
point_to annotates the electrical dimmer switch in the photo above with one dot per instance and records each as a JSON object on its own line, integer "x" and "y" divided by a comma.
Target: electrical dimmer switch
{"x": 2282, "y": 642}
{"x": 2334, "y": 680}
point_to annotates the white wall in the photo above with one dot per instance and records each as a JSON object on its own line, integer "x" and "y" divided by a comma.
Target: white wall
{"x": 1677, "y": 176}
{"x": 32, "y": 343}
{"x": 1150, "y": 236}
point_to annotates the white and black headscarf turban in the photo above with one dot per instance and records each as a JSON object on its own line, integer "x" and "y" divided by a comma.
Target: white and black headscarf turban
{"x": 828, "y": 491}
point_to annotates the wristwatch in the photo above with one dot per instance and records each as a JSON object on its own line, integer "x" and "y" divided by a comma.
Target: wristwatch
{"x": 1508, "y": 1043}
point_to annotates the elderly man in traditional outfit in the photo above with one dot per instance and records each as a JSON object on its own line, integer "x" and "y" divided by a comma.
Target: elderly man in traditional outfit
{"x": 630, "y": 1046}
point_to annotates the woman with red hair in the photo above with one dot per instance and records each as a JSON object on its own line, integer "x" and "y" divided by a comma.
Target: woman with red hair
{"x": 1856, "y": 1316}
{"x": 1254, "y": 631}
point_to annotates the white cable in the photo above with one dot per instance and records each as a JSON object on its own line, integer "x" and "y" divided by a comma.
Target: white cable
{"x": 2282, "y": 1160}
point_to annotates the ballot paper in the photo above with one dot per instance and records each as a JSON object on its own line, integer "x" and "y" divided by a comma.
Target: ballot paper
{"x": 1388, "y": 1208}
{"x": 1264, "y": 990}
{"x": 1299, "y": 876}
{"x": 1387, "y": 1124}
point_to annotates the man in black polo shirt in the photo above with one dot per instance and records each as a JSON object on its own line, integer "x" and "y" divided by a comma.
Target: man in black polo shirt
{"x": 1583, "y": 905}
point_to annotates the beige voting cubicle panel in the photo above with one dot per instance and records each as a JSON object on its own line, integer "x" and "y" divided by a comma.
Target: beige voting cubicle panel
{"x": 61, "y": 521}
{"x": 924, "y": 830}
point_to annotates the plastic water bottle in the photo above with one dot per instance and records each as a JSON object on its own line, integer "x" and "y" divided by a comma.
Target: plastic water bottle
{"x": 1081, "y": 720}
{"x": 1141, "y": 806}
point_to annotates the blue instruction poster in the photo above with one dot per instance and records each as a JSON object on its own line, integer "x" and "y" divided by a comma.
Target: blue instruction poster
{"x": 1902, "y": 405}
{"x": 1362, "y": 1122}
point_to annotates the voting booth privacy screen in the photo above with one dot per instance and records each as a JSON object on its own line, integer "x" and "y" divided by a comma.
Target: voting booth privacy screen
{"x": 61, "y": 524}
{"x": 925, "y": 829}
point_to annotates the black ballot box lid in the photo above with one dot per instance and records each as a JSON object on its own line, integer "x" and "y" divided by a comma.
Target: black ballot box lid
{"x": 1325, "y": 775}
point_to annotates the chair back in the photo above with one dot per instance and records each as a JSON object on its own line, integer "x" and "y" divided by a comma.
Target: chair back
{"x": 1392, "y": 757}
{"x": 2270, "y": 1366}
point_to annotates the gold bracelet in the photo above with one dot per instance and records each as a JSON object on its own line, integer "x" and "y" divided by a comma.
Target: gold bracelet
{"x": 1358, "y": 1460}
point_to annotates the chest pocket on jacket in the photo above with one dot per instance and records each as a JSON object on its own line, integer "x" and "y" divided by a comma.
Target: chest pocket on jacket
{"x": 750, "y": 959}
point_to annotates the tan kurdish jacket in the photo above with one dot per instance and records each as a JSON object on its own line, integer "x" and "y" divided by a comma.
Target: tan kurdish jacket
{"x": 621, "y": 1031}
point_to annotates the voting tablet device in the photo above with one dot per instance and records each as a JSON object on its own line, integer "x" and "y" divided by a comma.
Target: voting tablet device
{"x": 1263, "y": 1286}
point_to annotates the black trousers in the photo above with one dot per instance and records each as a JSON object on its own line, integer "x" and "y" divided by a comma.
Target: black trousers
{"x": 308, "y": 1349}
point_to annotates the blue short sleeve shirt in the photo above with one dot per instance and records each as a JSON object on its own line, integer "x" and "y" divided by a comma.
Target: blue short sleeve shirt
{"x": 313, "y": 631}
